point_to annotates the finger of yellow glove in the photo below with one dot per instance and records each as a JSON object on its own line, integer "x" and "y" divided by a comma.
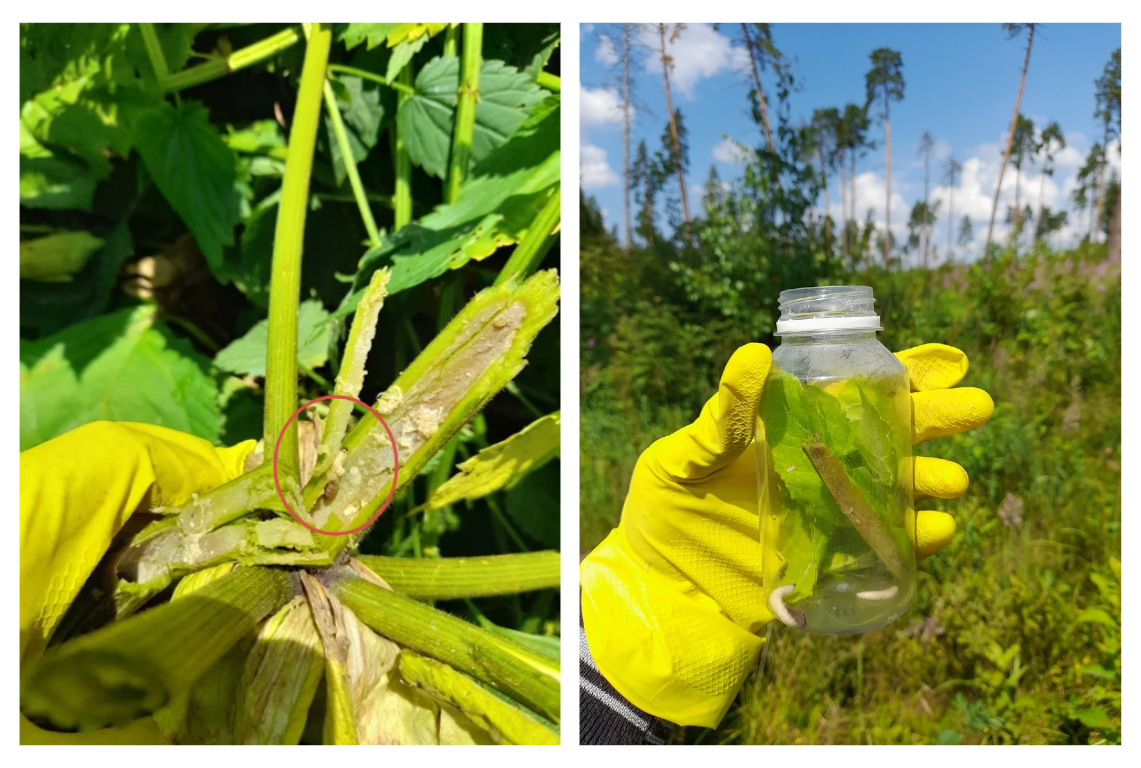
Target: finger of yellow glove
{"x": 933, "y": 530}
{"x": 939, "y": 479}
{"x": 944, "y": 412}
{"x": 726, "y": 425}
{"x": 78, "y": 490}
{"x": 934, "y": 366}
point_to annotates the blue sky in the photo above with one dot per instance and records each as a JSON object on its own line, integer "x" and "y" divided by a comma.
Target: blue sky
{"x": 961, "y": 81}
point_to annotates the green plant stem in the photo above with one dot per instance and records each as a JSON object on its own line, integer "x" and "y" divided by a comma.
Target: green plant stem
{"x": 132, "y": 668}
{"x": 540, "y": 237}
{"x": 285, "y": 288}
{"x": 450, "y": 46}
{"x": 154, "y": 51}
{"x": 350, "y": 164}
{"x": 373, "y": 197}
{"x": 507, "y": 724}
{"x": 350, "y": 378}
{"x": 551, "y": 82}
{"x": 402, "y": 195}
{"x": 239, "y": 59}
{"x": 475, "y": 356}
{"x": 505, "y": 665}
{"x": 465, "y": 110}
{"x": 343, "y": 69}
{"x": 451, "y": 578}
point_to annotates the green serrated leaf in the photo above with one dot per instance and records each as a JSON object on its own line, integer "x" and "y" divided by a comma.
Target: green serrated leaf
{"x": 374, "y": 34}
{"x": 427, "y": 120}
{"x": 401, "y": 55}
{"x": 195, "y": 170}
{"x": 503, "y": 465}
{"x": 497, "y": 204}
{"x": 118, "y": 367}
{"x": 246, "y": 356}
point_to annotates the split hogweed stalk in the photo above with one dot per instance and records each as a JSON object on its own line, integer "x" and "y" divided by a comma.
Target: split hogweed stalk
{"x": 274, "y": 633}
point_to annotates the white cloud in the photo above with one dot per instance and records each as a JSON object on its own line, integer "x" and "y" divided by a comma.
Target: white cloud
{"x": 599, "y": 106}
{"x": 698, "y": 52}
{"x": 584, "y": 30}
{"x": 731, "y": 151}
{"x": 594, "y": 170}
{"x": 605, "y": 52}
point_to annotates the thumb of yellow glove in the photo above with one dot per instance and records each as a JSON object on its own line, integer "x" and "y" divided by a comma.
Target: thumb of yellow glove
{"x": 671, "y": 598}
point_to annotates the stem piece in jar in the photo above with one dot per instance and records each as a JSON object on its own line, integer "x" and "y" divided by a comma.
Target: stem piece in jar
{"x": 855, "y": 507}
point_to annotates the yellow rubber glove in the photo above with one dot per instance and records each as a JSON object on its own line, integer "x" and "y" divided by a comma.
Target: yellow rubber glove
{"x": 76, "y": 492}
{"x": 672, "y": 599}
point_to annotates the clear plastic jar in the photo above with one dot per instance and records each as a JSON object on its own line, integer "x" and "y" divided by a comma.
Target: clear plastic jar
{"x": 834, "y": 459}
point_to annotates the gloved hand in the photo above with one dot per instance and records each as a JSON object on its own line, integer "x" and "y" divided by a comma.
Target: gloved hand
{"x": 672, "y": 599}
{"x": 76, "y": 492}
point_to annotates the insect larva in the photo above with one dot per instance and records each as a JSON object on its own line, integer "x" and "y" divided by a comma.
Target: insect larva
{"x": 882, "y": 594}
{"x": 787, "y": 615}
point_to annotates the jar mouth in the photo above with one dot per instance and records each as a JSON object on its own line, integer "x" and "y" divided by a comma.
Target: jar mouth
{"x": 827, "y": 308}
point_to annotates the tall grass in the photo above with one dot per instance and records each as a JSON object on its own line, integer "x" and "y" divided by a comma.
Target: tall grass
{"x": 1015, "y": 633}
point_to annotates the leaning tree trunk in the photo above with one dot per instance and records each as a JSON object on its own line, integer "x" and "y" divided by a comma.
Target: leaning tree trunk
{"x": 760, "y": 90}
{"x": 843, "y": 207}
{"x": 852, "y": 196}
{"x": 1041, "y": 192}
{"x": 926, "y": 205}
{"x": 1113, "y": 242}
{"x": 673, "y": 135}
{"x": 950, "y": 219}
{"x": 1017, "y": 198}
{"x": 1101, "y": 180}
{"x": 827, "y": 204}
{"x": 1009, "y": 141}
{"x": 887, "y": 202}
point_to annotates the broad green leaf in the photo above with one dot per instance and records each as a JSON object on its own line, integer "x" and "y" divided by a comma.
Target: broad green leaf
{"x": 57, "y": 257}
{"x": 427, "y": 120}
{"x": 195, "y": 171}
{"x": 362, "y": 113}
{"x": 118, "y": 367}
{"x": 54, "y": 55}
{"x": 246, "y": 356}
{"x": 401, "y": 55}
{"x": 48, "y": 307}
{"x": 533, "y": 505}
{"x": 503, "y": 465}
{"x": 257, "y": 138}
{"x": 48, "y": 180}
{"x": 496, "y": 206}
